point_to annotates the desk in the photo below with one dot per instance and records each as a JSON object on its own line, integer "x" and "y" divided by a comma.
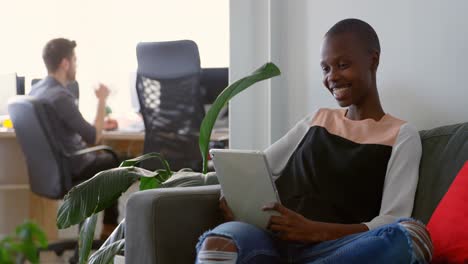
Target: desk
{"x": 17, "y": 202}
{"x": 118, "y": 135}
{"x": 125, "y": 144}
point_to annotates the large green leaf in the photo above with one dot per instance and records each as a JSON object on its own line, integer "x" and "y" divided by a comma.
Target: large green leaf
{"x": 85, "y": 242}
{"x": 97, "y": 193}
{"x": 152, "y": 155}
{"x": 161, "y": 176}
{"x": 106, "y": 254}
{"x": 117, "y": 234}
{"x": 87, "y": 236}
{"x": 267, "y": 71}
{"x": 149, "y": 183}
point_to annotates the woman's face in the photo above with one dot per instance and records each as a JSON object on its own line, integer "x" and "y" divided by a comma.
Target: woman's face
{"x": 348, "y": 69}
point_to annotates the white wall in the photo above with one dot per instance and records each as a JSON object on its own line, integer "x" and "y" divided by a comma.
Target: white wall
{"x": 422, "y": 72}
{"x": 250, "y": 48}
{"x": 107, "y": 32}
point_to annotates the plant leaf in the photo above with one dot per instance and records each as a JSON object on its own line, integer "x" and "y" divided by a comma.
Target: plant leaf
{"x": 39, "y": 236}
{"x": 147, "y": 183}
{"x": 30, "y": 231}
{"x": 29, "y": 238}
{"x": 117, "y": 234}
{"x": 162, "y": 176}
{"x": 152, "y": 155}
{"x": 5, "y": 255}
{"x": 106, "y": 254}
{"x": 97, "y": 193}
{"x": 267, "y": 71}
{"x": 85, "y": 241}
{"x": 184, "y": 178}
{"x": 29, "y": 251}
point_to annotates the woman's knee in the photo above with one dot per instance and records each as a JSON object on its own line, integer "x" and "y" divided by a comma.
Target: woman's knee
{"x": 217, "y": 249}
{"x": 420, "y": 239}
{"x": 218, "y": 243}
{"x": 232, "y": 239}
{"x": 239, "y": 232}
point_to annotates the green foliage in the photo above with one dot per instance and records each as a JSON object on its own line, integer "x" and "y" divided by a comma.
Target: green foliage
{"x": 97, "y": 193}
{"x": 265, "y": 72}
{"x": 85, "y": 241}
{"x": 23, "y": 245}
{"x": 106, "y": 254}
{"x": 135, "y": 161}
{"x": 101, "y": 191}
{"x": 147, "y": 183}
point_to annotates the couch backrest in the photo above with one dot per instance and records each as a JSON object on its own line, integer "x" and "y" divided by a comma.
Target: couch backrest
{"x": 445, "y": 150}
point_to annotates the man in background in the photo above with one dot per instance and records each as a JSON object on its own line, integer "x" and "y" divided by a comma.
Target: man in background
{"x": 72, "y": 131}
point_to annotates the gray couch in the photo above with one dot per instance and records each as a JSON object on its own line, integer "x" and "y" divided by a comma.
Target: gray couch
{"x": 163, "y": 225}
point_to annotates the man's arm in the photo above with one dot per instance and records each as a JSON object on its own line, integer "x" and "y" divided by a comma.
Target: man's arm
{"x": 101, "y": 94}
{"x": 68, "y": 112}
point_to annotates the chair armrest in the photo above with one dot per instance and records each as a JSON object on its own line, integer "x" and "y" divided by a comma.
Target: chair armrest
{"x": 163, "y": 225}
{"x": 94, "y": 149}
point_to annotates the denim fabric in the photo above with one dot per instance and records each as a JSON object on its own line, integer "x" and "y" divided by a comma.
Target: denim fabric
{"x": 387, "y": 244}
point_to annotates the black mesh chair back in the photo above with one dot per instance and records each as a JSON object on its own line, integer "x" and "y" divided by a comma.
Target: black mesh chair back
{"x": 47, "y": 169}
{"x": 168, "y": 88}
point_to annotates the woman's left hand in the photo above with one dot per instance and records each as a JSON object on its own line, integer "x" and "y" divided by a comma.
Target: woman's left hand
{"x": 293, "y": 226}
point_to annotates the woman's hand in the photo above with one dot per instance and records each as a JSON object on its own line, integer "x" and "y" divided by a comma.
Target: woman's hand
{"x": 293, "y": 226}
{"x": 225, "y": 210}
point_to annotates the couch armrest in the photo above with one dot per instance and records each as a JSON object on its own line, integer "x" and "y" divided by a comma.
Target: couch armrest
{"x": 163, "y": 225}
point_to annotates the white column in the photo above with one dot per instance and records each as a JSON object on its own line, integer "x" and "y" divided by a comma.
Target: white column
{"x": 249, "y": 115}
{"x": 262, "y": 31}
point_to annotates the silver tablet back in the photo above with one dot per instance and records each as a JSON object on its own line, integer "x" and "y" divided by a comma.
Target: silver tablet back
{"x": 247, "y": 184}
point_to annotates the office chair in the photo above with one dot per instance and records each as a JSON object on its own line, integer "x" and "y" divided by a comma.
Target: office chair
{"x": 168, "y": 88}
{"x": 47, "y": 162}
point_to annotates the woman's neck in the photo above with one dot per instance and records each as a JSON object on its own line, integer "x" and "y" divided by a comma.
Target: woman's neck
{"x": 371, "y": 110}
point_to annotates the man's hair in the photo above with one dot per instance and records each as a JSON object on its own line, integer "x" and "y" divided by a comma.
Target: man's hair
{"x": 55, "y": 51}
{"x": 363, "y": 31}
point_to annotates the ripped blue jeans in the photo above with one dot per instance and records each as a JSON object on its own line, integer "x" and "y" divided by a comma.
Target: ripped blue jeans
{"x": 386, "y": 244}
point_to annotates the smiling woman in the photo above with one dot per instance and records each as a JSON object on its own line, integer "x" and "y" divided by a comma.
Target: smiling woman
{"x": 107, "y": 33}
{"x": 346, "y": 178}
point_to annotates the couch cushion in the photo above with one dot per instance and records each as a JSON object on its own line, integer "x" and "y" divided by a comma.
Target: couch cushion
{"x": 448, "y": 225}
{"x": 445, "y": 150}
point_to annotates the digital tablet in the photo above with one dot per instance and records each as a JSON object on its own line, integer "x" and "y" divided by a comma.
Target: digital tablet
{"x": 247, "y": 184}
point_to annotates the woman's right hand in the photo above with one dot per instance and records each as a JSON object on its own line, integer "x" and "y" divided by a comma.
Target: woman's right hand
{"x": 225, "y": 210}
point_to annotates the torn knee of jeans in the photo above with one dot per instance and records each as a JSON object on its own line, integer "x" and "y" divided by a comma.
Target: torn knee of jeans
{"x": 422, "y": 243}
{"x": 219, "y": 243}
{"x": 217, "y": 249}
{"x": 209, "y": 256}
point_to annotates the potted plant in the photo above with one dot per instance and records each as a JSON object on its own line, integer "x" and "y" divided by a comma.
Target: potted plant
{"x": 85, "y": 200}
{"x": 23, "y": 245}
